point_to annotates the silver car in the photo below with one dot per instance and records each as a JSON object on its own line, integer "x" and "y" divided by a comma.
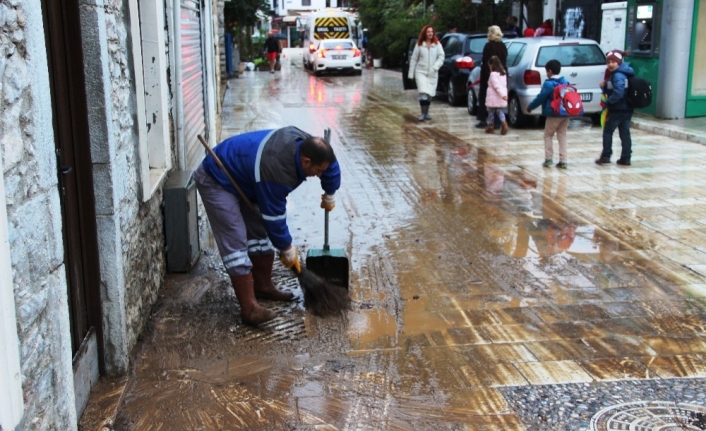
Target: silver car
{"x": 582, "y": 61}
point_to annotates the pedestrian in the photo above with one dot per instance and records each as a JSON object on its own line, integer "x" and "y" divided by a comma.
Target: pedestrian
{"x": 427, "y": 59}
{"x": 619, "y": 111}
{"x": 452, "y": 28}
{"x": 553, "y": 124}
{"x": 267, "y": 165}
{"x": 545, "y": 29}
{"x": 494, "y": 47}
{"x": 511, "y": 26}
{"x": 529, "y": 32}
{"x": 272, "y": 49}
{"x": 496, "y": 97}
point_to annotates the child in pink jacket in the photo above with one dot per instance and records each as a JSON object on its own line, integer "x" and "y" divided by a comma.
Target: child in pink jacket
{"x": 496, "y": 98}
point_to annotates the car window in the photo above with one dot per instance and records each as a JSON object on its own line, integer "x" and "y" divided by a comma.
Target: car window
{"x": 477, "y": 44}
{"x": 453, "y": 47}
{"x": 410, "y": 48}
{"x": 343, "y": 44}
{"x": 571, "y": 55}
{"x": 514, "y": 53}
{"x": 445, "y": 41}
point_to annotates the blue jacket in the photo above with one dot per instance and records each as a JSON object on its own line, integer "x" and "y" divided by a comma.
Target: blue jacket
{"x": 615, "y": 89}
{"x": 265, "y": 165}
{"x": 544, "y": 97}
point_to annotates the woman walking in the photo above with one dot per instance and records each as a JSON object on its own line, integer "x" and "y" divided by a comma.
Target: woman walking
{"x": 494, "y": 47}
{"x": 427, "y": 59}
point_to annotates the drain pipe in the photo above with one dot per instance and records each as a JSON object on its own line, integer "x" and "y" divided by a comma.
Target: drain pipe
{"x": 11, "y": 403}
{"x": 177, "y": 85}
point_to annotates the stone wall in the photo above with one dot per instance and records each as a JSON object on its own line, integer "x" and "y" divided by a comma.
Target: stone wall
{"x": 131, "y": 240}
{"x": 34, "y": 219}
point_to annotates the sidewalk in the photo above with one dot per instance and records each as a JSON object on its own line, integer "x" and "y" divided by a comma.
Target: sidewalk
{"x": 688, "y": 129}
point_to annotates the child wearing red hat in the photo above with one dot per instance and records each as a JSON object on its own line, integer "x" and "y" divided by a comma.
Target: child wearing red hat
{"x": 619, "y": 111}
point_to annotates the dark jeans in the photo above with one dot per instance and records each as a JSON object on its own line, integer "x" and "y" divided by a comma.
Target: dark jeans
{"x": 620, "y": 121}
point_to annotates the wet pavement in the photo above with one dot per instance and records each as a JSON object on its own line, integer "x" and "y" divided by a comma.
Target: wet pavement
{"x": 489, "y": 293}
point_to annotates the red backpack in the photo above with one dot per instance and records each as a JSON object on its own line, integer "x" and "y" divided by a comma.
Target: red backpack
{"x": 566, "y": 101}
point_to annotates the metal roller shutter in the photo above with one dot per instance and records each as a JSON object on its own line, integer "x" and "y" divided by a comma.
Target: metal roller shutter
{"x": 192, "y": 81}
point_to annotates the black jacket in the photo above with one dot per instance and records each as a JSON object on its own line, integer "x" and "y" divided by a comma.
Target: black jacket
{"x": 272, "y": 45}
{"x": 492, "y": 48}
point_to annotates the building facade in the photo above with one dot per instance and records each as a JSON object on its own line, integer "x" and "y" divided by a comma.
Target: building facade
{"x": 101, "y": 101}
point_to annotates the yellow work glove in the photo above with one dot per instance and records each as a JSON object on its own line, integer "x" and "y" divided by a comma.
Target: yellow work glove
{"x": 328, "y": 202}
{"x": 290, "y": 258}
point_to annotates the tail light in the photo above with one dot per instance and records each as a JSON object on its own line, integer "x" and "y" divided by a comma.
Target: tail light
{"x": 322, "y": 53}
{"x": 312, "y": 47}
{"x": 356, "y": 52}
{"x": 531, "y": 77}
{"x": 464, "y": 63}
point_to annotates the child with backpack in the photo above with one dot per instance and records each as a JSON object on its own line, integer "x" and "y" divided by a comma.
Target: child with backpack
{"x": 496, "y": 97}
{"x": 619, "y": 108}
{"x": 554, "y": 123}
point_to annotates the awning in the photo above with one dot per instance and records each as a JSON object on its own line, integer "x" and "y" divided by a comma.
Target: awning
{"x": 290, "y": 19}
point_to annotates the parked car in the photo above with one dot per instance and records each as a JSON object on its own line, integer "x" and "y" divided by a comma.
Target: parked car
{"x": 582, "y": 64}
{"x": 339, "y": 55}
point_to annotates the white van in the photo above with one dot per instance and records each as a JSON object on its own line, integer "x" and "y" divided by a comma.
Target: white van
{"x": 324, "y": 24}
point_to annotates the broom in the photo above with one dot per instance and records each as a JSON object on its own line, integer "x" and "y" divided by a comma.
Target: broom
{"x": 320, "y": 297}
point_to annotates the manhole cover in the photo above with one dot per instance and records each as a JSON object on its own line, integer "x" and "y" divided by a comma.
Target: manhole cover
{"x": 650, "y": 416}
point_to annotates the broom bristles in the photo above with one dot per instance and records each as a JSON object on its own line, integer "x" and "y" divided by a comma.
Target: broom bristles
{"x": 322, "y": 298}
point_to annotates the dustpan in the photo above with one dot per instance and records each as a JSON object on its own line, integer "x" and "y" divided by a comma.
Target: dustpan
{"x": 329, "y": 264}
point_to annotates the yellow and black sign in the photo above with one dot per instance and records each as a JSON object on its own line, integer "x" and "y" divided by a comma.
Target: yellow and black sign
{"x": 331, "y": 28}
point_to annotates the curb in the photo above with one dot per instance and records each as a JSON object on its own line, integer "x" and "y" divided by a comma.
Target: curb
{"x": 672, "y": 131}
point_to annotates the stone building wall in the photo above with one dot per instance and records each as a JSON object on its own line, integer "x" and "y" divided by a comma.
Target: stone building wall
{"x": 34, "y": 220}
{"x": 131, "y": 239}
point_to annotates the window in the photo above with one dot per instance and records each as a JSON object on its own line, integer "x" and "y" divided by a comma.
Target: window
{"x": 336, "y": 45}
{"x": 306, "y": 2}
{"x": 153, "y": 105}
{"x": 477, "y": 44}
{"x": 571, "y": 55}
{"x": 514, "y": 53}
{"x": 453, "y": 47}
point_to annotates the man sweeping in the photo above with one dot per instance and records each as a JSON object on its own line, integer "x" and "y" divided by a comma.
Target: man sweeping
{"x": 266, "y": 165}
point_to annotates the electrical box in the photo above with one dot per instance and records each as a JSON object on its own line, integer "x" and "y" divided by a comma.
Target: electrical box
{"x": 614, "y": 25}
{"x": 181, "y": 225}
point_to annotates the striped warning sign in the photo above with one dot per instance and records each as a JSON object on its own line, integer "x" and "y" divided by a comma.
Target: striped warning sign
{"x": 331, "y": 28}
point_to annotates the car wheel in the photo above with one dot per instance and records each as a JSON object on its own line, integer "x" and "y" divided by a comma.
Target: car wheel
{"x": 451, "y": 92}
{"x": 515, "y": 117}
{"x": 472, "y": 103}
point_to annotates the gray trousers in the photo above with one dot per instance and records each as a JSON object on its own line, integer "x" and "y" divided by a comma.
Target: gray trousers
{"x": 237, "y": 230}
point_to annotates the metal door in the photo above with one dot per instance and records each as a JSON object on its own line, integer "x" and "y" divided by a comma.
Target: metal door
{"x": 192, "y": 81}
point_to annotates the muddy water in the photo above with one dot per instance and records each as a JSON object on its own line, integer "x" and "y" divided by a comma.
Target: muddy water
{"x": 472, "y": 268}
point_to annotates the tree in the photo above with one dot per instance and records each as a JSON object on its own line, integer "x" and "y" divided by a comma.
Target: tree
{"x": 240, "y": 17}
{"x": 389, "y": 23}
{"x": 244, "y": 13}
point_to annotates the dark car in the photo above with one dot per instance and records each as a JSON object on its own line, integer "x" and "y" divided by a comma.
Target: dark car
{"x": 461, "y": 51}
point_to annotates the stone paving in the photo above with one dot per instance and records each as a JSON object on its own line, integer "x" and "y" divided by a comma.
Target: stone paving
{"x": 561, "y": 333}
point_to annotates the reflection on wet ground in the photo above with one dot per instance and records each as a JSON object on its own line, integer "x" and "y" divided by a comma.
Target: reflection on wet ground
{"x": 474, "y": 272}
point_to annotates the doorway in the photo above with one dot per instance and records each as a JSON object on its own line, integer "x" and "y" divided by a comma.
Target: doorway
{"x": 74, "y": 170}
